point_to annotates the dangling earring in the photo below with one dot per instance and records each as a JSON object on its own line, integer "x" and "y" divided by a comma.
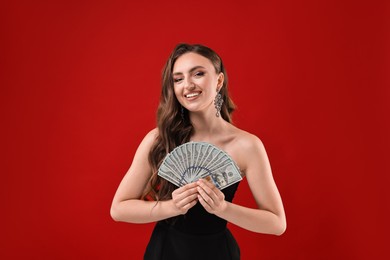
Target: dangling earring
{"x": 218, "y": 101}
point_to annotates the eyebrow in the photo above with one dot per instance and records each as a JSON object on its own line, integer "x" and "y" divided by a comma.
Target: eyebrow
{"x": 191, "y": 70}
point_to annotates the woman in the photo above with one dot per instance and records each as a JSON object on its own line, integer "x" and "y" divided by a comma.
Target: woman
{"x": 191, "y": 220}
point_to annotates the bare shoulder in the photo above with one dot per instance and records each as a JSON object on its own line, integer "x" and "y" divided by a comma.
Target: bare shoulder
{"x": 149, "y": 140}
{"x": 248, "y": 142}
{"x": 247, "y": 148}
{"x": 151, "y": 135}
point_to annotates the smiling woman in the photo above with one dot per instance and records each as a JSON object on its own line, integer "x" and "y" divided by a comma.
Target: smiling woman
{"x": 196, "y": 85}
{"x": 195, "y": 106}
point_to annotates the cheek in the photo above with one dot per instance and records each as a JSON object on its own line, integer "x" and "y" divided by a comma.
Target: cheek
{"x": 177, "y": 91}
{"x": 207, "y": 83}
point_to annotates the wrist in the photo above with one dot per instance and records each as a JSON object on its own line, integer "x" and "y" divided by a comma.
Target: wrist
{"x": 171, "y": 208}
{"x": 223, "y": 209}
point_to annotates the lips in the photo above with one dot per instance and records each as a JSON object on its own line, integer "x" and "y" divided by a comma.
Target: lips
{"x": 193, "y": 94}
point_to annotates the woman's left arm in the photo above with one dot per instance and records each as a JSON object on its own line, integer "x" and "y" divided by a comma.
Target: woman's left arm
{"x": 269, "y": 218}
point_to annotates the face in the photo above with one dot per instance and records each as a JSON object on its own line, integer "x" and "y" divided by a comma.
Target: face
{"x": 196, "y": 82}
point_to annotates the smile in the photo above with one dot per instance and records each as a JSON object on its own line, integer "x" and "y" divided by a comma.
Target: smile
{"x": 193, "y": 94}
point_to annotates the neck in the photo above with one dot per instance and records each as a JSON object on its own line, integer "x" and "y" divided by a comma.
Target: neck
{"x": 206, "y": 124}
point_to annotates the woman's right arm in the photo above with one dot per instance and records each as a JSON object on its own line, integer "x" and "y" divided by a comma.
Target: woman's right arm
{"x": 127, "y": 205}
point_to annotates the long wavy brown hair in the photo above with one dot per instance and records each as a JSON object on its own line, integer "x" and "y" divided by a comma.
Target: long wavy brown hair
{"x": 174, "y": 126}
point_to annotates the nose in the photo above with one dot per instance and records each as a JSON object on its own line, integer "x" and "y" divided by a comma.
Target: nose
{"x": 189, "y": 84}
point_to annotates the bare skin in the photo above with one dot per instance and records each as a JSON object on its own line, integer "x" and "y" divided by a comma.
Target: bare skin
{"x": 196, "y": 84}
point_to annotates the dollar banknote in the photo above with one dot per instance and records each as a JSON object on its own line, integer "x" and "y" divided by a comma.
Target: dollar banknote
{"x": 192, "y": 161}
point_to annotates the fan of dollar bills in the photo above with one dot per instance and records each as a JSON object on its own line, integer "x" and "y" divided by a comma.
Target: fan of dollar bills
{"x": 195, "y": 160}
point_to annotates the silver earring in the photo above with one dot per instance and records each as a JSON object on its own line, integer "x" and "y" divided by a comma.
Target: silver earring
{"x": 218, "y": 101}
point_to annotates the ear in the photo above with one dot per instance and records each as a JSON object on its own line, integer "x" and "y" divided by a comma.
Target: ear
{"x": 221, "y": 78}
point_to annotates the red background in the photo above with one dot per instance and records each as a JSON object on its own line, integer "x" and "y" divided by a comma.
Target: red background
{"x": 80, "y": 87}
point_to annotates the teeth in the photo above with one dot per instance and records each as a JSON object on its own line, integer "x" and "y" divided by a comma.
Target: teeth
{"x": 192, "y": 95}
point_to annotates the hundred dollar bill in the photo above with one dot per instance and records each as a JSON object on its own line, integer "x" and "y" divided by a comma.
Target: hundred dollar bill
{"x": 194, "y": 160}
{"x": 169, "y": 175}
{"x": 226, "y": 176}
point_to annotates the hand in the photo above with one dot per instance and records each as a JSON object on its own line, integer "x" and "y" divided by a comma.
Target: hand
{"x": 211, "y": 198}
{"x": 185, "y": 197}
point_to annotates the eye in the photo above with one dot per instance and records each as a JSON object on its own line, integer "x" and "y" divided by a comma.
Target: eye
{"x": 199, "y": 74}
{"x": 177, "y": 80}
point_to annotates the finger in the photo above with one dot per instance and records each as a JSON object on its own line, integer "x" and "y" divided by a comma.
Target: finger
{"x": 210, "y": 190}
{"x": 185, "y": 187}
{"x": 190, "y": 205}
{"x": 211, "y": 185}
{"x": 187, "y": 200}
{"x": 208, "y": 183}
{"x": 180, "y": 194}
{"x": 190, "y": 185}
{"x": 208, "y": 186}
{"x": 206, "y": 197}
{"x": 214, "y": 193}
{"x": 205, "y": 205}
{"x": 186, "y": 193}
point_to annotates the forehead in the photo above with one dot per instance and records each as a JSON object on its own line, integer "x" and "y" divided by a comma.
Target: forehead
{"x": 189, "y": 60}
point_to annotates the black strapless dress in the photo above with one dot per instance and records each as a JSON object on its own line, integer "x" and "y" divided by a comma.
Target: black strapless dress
{"x": 196, "y": 235}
